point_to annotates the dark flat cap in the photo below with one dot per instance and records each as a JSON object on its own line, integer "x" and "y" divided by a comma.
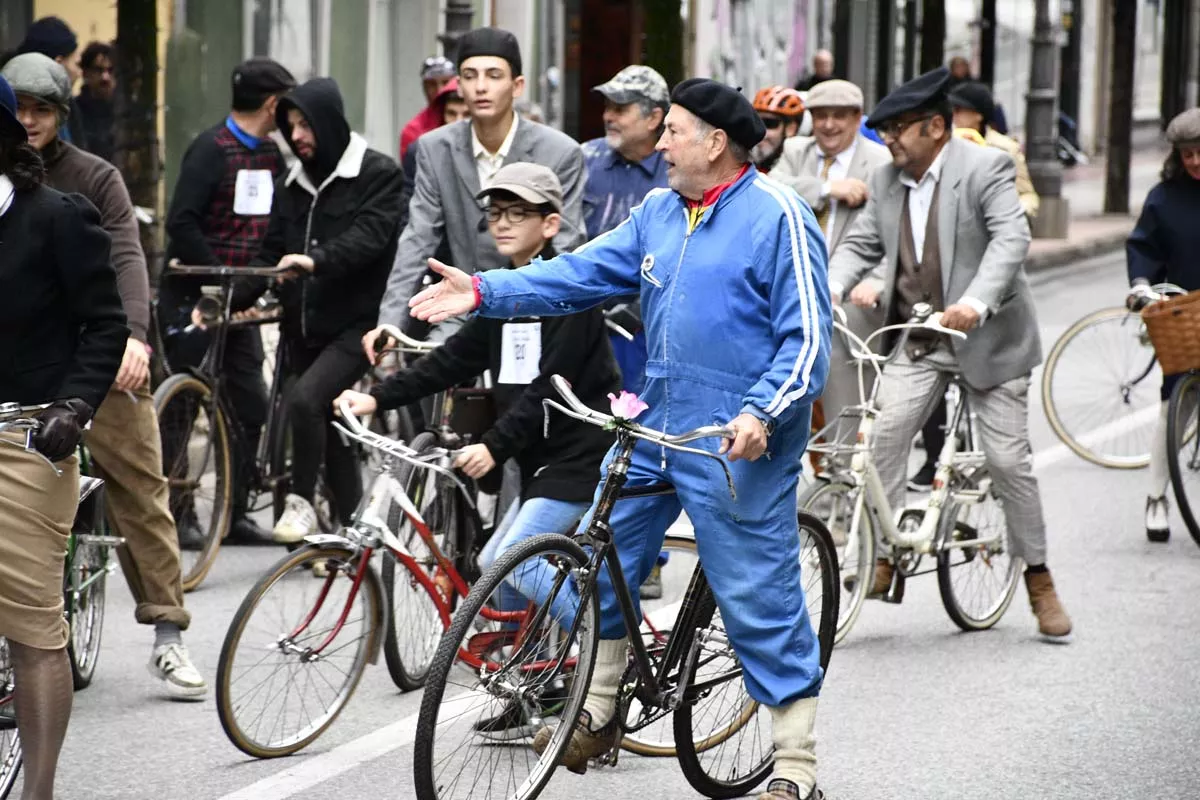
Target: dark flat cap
{"x": 922, "y": 92}
{"x": 975, "y": 96}
{"x": 722, "y": 107}
{"x": 261, "y": 77}
{"x": 490, "y": 42}
{"x": 49, "y": 36}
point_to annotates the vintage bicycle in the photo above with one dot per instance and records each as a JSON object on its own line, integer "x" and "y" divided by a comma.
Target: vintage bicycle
{"x": 961, "y": 526}
{"x": 539, "y": 663}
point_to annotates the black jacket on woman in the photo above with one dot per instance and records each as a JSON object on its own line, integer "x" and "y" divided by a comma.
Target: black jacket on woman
{"x": 566, "y": 464}
{"x": 62, "y": 327}
{"x": 1165, "y": 245}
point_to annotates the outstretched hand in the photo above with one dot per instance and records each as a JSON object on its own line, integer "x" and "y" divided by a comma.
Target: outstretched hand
{"x": 453, "y": 296}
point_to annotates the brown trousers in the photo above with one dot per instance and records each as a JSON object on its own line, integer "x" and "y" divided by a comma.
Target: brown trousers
{"x": 127, "y": 453}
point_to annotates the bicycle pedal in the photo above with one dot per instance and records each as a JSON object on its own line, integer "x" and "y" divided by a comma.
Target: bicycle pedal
{"x": 895, "y": 592}
{"x": 608, "y": 759}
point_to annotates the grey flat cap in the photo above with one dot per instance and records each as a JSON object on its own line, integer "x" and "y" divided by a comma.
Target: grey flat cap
{"x": 635, "y": 83}
{"x": 533, "y": 183}
{"x": 40, "y": 76}
{"x": 834, "y": 94}
{"x": 1185, "y": 128}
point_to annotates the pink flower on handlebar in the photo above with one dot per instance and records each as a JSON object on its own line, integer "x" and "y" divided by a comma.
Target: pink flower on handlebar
{"x": 627, "y": 406}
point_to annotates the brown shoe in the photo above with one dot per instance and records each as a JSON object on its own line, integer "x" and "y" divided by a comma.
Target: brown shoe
{"x": 881, "y": 583}
{"x": 585, "y": 743}
{"x": 1053, "y": 623}
{"x": 782, "y": 789}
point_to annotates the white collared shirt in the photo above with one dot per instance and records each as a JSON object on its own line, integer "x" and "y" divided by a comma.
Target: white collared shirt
{"x": 838, "y": 170}
{"x": 487, "y": 163}
{"x": 920, "y": 197}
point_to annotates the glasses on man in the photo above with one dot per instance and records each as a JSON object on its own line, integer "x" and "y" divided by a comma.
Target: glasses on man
{"x": 892, "y": 129}
{"x": 514, "y": 214}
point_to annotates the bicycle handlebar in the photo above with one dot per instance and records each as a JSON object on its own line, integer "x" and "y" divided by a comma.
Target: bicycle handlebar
{"x": 578, "y": 410}
{"x": 407, "y": 343}
{"x": 1159, "y": 291}
{"x": 230, "y": 272}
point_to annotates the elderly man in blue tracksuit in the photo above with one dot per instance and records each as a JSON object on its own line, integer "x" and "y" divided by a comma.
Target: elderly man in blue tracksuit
{"x": 731, "y": 268}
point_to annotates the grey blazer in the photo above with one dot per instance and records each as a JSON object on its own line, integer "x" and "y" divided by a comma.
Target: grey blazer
{"x": 982, "y": 239}
{"x": 444, "y": 204}
{"x": 800, "y": 168}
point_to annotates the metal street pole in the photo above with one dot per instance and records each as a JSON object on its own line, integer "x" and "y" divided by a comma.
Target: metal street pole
{"x": 459, "y": 16}
{"x": 1041, "y": 129}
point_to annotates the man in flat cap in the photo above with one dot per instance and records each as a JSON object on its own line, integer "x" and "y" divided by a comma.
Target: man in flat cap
{"x": 622, "y": 168}
{"x": 730, "y": 266}
{"x": 946, "y": 216}
{"x": 973, "y": 108}
{"x": 830, "y": 170}
{"x": 455, "y": 162}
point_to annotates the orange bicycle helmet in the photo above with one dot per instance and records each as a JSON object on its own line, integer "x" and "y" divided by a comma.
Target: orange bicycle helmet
{"x": 779, "y": 100}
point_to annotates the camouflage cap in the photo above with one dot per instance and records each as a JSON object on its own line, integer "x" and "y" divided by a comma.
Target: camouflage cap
{"x": 635, "y": 83}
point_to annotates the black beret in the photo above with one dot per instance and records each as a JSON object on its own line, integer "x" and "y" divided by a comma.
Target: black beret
{"x": 974, "y": 96}
{"x": 260, "y": 77}
{"x": 490, "y": 42}
{"x": 722, "y": 107}
{"x": 923, "y": 91}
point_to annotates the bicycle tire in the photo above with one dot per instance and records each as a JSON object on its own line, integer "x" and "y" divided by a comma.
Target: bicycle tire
{"x": 1056, "y": 416}
{"x": 812, "y": 531}
{"x": 85, "y": 615}
{"x": 864, "y": 533}
{"x": 1176, "y": 429}
{"x": 407, "y": 676}
{"x": 176, "y": 390}
{"x": 955, "y": 608}
{"x": 448, "y": 657}
{"x": 10, "y": 741}
{"x": 300, "y": 562}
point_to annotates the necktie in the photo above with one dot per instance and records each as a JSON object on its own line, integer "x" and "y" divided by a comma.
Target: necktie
{"x": 823, "y": 214}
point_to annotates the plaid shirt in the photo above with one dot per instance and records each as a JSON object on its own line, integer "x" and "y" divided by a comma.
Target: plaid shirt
{"x": 234, "y": 238}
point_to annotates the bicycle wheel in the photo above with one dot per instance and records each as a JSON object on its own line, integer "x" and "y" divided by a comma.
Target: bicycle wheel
{"x": 1100, "y": 389}
{"x": 10, "y": 743}
{"x": 498, "y": 676}
{"x": 416, "y": 621}
{"x": 281, "y": 679}
{"x": 722, "y": 735}
{"x": 655, "y": 735}
{"x": 836, "y": 504}
{"x": 977, "y": 583}
{"x": 1183, "y": 449}
{"x": 198, "y": 466}
{"x": 83, "y": 597}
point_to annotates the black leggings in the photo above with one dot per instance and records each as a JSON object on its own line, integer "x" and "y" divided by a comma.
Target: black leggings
{"x": 323, "y": 373}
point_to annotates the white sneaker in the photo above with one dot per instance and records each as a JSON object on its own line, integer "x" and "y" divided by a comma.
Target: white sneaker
{"x": 1158, "y": 522}
{"x": 297, "y": 521}
{"x": 171, "y": 665}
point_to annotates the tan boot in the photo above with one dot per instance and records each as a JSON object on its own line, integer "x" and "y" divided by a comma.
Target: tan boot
{"x": 1053, "y": 623}
{"x": 596, "y": 731}
{"x": 879, "y": 584}
{"x": 795, "y": 752}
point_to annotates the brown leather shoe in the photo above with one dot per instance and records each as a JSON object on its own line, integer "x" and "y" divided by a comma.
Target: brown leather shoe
{"x": 782, "y": 789}
{"x": 585, "y": 743}
{"x": 1053, "y": 623}
{"x": 881, "y": 583}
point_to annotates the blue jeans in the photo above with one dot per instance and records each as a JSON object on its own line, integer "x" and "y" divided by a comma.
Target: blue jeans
{"x": 532, "y": 581}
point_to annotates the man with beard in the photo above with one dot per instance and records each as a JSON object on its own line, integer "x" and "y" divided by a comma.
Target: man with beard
{"x": 99, "y": 66}
{"x": 335, "y": 223}
{"x": 781, "y": 110}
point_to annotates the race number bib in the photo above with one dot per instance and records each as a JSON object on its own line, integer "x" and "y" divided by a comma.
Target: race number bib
{"x": 520, "y": 352}
{"x": 253, "y": 192}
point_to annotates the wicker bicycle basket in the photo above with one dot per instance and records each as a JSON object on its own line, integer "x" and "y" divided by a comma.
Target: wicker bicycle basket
{"x": 1174, "y": 329}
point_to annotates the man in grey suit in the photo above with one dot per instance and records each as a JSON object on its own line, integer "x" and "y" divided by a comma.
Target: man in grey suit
{"x": 456, "y": 162}
{"x": 830, "y": 170}
{"x": 947, "y": 217}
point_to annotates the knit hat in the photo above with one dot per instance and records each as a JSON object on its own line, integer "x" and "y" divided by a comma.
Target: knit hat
{"x": 42, "y": 77}
{"x": 490, "y": 42}
{"x": 722, "y": 107}
{"x": 10, "y": 126}
{"x": 49, "y": 36}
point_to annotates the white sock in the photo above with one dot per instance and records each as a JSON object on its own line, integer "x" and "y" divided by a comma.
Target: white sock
{"x": 1160, "y": 476}
{"x": 795, "y": 743}
{"x": 611, "y": 660}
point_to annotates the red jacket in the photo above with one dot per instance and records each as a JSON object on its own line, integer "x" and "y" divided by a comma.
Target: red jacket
{"x": 428, "y": 118}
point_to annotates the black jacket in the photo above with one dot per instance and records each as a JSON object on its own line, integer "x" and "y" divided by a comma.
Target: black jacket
{"x": 564, "y": 466}
{"x": 62, "y": 328}
{"x": 343, "y": 210}
{"x": 1165, "y": 244}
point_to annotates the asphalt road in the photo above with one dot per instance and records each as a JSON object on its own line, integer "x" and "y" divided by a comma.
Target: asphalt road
{"x": 911, "y": 707}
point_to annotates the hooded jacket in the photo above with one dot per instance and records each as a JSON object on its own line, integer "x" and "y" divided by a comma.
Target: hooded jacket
{"x": 427, "y": 119}
{"x": 342, "y": 209}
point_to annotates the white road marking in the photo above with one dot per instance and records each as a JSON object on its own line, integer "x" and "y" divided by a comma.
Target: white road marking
{"x": 1060, "y": 452}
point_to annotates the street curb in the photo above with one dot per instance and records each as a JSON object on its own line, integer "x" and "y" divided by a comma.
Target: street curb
{"x": 1071, "y": 252}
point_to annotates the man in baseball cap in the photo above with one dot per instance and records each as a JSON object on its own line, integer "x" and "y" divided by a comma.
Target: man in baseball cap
{"x": 436, "y": 73}
{"x": 622, "y": 167}
{"x": 735, "y": 292}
